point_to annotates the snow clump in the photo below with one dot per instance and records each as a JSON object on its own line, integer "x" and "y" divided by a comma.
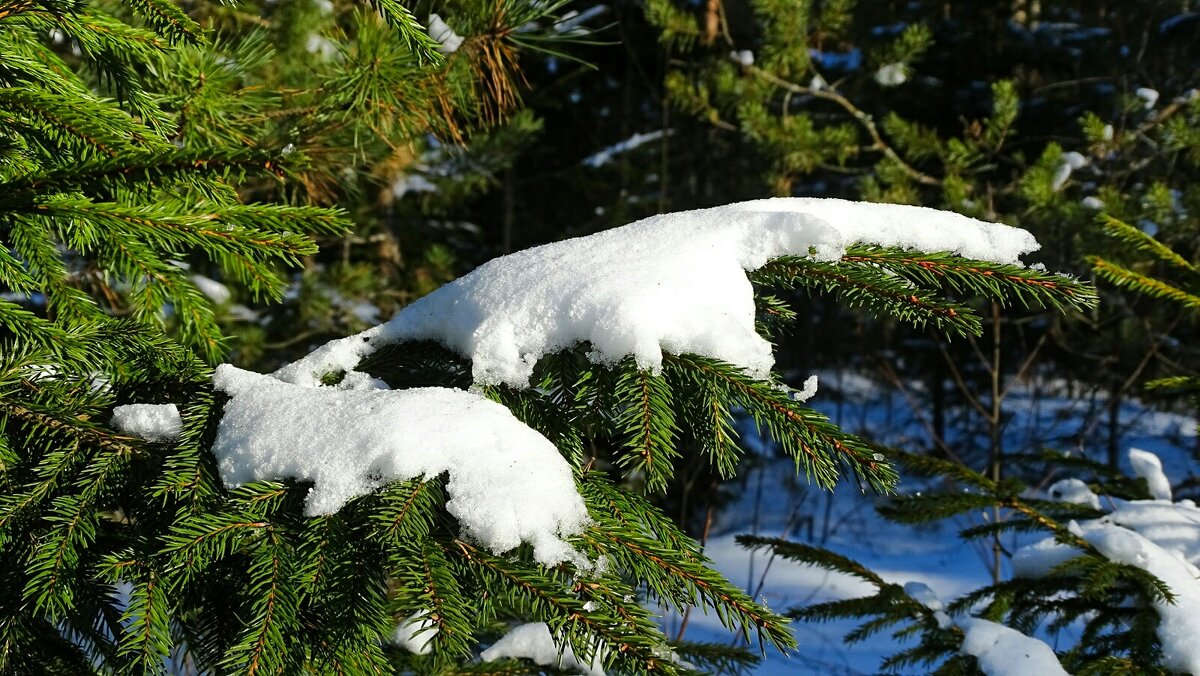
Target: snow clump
{"x": 891, "y": 75}
{"x": 533, "y": 642}
{"x": 669, "y": 283}
{"x": 152, "y": 422}
{"x": 507, "y": 483}
{"x": 444, "y": 34}
{"x": 1147, "y": 466}
{"x": 1148, "y": 96}
{"x": 924, "y": 594}
{"x": 744, "y": 58}
{"x": 1180, "y": 621}
{"x": 415, "y": 634}
{"x": 1075, "y": 492}
{"x": 1003, "y": 651}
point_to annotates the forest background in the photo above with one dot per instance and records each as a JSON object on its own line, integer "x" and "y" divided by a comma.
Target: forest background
{"x": 544, "y": 121}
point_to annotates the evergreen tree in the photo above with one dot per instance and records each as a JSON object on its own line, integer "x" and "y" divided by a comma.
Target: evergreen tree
{"x": 126, "y": 549}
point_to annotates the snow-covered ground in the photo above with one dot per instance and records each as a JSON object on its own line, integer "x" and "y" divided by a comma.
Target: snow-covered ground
{"x": 775, "y": 503}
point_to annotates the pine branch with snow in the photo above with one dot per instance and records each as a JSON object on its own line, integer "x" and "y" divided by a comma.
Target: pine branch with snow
{"x": 361, "y": 507}
{"x": 1097, "y": 570}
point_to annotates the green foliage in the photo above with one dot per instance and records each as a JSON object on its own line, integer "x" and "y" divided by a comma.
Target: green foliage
{"x": 220, "y": 154}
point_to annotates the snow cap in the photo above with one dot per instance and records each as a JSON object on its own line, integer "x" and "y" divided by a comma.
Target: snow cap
{"x": 669, "y": 283}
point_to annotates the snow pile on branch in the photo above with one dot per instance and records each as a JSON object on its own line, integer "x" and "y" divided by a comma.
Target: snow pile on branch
{"x": 415, "y": 634}
{"x": 1002, "y": 651}
{"x": 1179, "y": 621}
{"x": 1075, "y": 492}
{"x": 924, "y": 594}
{"x": 152, "y": 422}
{"x": 674, "y": 282}
{"x": 605, "y": 156}
{"x": 507, "y": 483}
{"x": 1147, "y": 466}
{"x": 533, "y": 642}
{"x": 1158, "y": 536}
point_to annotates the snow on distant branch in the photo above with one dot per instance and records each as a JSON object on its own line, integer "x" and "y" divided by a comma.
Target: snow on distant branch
{"x": 1158, "y": 536}
{"x": 674, "y": 282}
{"x": 605, "y": 156}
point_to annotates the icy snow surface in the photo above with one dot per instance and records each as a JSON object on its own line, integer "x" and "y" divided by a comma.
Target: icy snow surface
{"x": 674, "y": 282}
{"x": 533, "y": 642}
{"x": 507, "y": 483}
{"x": 1002, "y": 651}
{"x": 152, "y": 422}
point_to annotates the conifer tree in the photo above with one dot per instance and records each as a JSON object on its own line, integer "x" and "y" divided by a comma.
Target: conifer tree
{"x": 127, "y": 549}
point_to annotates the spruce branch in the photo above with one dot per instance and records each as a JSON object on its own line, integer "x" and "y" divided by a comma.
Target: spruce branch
{"x": 1000, "y": 282}
{"x": 1150, "y": 286}
{"x": 169, "y": 20}
{"x": 809, "y": 438}
{"x": 879, "y": 290}
{"x": 1127, "y": 234}
{"x": 647, "y": 424}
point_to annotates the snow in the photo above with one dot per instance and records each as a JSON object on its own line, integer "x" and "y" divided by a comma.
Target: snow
{"x": 673, "y": 282}
{"x": 571, "y": 23}
{"x": 1147, "y": 466}
{"x": 891, "y": 75}
{"x": 533, "y": 642}
{"x": 1075, "y": 492}
{"x": 216, "y": 291}
{"x": 413, "y": 183}
{"x": 605, "y": 156}
{"x": 1172, "y": 526}
{"x": 1158, "y": 536}
{"x": 1179, "y": 621}
{"x": 414, "y": 635}
{"x": 807, "y": 391}
{"x": 444, "y": 34}
{"x": 1148, "y": 96}
{"x": 1074, "y": 159}
{"x": 744, "y": 57}
{"x": 1002, "y": 651}
{"x": 152, "y": 422}
{"x": 1041, "y": 408}
{"x": 924, "y": 594}
{"x": 321, "y": 46}
{"x": 507, "y": 483}
{"x": 1061, "y": 173}
{"x": 1092, "y": 202}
